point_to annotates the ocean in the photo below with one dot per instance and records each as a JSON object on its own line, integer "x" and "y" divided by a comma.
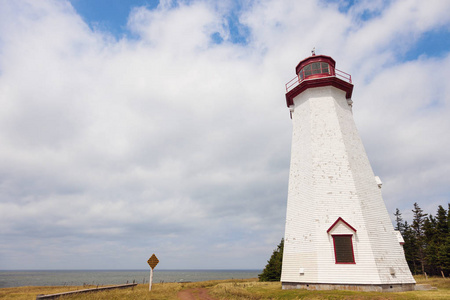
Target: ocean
{"x": 108, "y": 277}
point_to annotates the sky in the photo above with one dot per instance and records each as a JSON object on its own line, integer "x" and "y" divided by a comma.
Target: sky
{"x": 129, "y": 128}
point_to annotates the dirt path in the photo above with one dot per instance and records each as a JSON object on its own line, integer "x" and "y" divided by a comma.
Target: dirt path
{"x": 194, "y": 294}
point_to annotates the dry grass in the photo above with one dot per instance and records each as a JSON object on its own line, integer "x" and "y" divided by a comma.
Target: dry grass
{"x": 272, "y": 290}
{"x": 231, "y": 290}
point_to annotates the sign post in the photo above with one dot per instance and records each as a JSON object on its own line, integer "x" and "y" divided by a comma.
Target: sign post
{"x": 152, "y": 262}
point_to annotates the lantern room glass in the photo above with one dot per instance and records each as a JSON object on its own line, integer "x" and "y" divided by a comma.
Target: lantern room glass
{"x": 313, "y": 69}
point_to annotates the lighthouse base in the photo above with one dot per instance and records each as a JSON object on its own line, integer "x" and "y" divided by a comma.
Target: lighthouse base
{"x": 350, "y": 287}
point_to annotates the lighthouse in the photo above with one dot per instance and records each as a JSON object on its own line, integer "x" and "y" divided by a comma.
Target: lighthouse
{"x": 338, "y": 233}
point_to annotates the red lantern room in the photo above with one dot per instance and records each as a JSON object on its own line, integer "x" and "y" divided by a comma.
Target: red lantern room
{"x": 317, "y": 71}
{"x": 315, "y": 66}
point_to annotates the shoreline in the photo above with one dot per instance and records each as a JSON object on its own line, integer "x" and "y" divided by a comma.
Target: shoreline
{"x": 114, "y": 277}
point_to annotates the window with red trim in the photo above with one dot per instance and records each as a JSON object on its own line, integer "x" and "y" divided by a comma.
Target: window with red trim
{"x": 343, "y": 249}
{"x": 314, "y": 68}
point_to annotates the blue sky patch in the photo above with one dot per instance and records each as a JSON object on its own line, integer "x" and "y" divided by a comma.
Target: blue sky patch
{"x": 344, "y": 7}
{"x": 217, "y": 38}
{"x": 109, "y": 15}
{"x": 239, "y": 33}
{"x": 433, "y": 43}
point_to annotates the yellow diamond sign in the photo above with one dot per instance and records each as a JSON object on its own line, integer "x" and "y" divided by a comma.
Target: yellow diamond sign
{"x": 153, "y": 261}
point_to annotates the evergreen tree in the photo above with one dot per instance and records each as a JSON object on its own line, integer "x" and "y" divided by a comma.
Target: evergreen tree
{"x": 445, "y": 250}
{"x": 442, "y": 241}
{"x": 427, "y": 241}
{"x": 398, "y": 221}
{"x": 446, "y": 247}
{"x": 441, "y": 221}
{"x": 410, "y": 248}
{"x": 431, "y": 244}
{"x": 417, "y": 226}
{"x": 272, "y": 271}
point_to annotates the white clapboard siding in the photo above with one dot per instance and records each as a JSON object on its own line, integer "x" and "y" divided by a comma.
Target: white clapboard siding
{"x": 330, "y": 178}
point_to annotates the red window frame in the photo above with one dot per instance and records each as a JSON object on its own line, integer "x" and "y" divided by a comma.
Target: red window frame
{"x": 351, "y": 244}
{"x": 324, "y": 68}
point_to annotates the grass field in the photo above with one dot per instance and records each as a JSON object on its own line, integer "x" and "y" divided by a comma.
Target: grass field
{"x": 231, "y": 289}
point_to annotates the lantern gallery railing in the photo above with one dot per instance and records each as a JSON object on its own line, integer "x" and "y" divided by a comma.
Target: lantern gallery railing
{"x": 314, "y": 74}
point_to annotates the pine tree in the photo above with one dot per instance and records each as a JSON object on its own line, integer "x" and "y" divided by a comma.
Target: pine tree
{"x": 427, "y": 241}
{"x": 442, "y": 240}
{"x": 272, "y": 271}
{"x": 410, "y": 248}
{"x": 431, "y": 245}
{"x": 398, "y": 220}
{"x": 446, "y": 248}
{"x": 417, "y": 226}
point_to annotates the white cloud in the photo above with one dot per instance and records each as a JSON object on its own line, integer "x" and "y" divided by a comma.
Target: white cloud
{"x": 169, "y": 143}
{"x": 409, "y": 103}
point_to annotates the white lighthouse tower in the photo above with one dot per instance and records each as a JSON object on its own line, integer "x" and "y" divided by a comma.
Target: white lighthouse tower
{"x": 338, "y": 231}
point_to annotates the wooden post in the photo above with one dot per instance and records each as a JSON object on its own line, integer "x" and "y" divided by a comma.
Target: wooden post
{"x": 151, "y": 280}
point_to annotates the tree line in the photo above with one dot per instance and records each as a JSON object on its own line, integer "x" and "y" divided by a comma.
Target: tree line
{"x": 426, "y": 247}
{"x": 427, "y": 241}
